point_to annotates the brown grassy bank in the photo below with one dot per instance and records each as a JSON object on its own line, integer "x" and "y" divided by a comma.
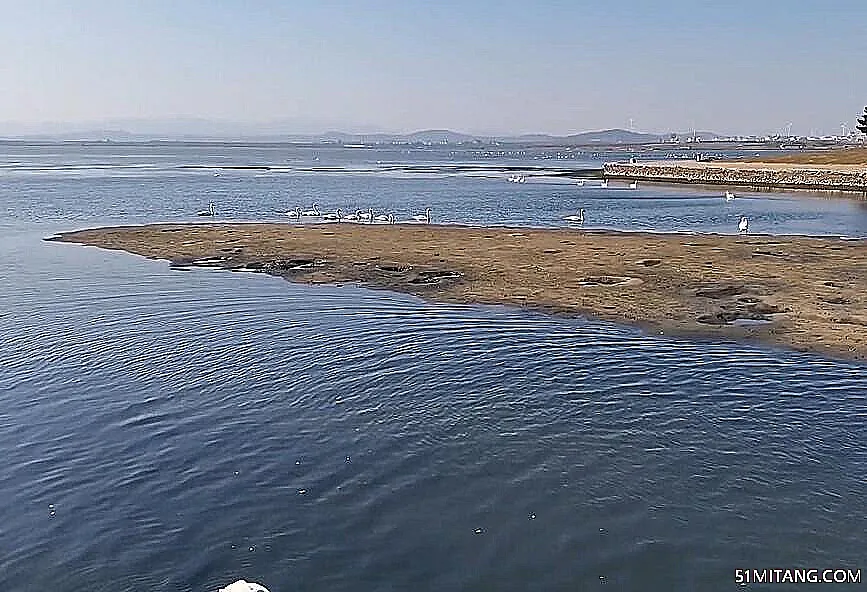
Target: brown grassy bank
{"x": 844, "y": 156}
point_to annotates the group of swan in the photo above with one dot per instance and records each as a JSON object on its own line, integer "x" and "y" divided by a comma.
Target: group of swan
{"x": 604, "y": 184}
{"x": 358, "y": 217}
{"x": 744, "y": 222}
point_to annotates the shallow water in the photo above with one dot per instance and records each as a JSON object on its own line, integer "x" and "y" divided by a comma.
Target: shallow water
{"x": 121, "y": 184}
{"x": 166, "y": 430}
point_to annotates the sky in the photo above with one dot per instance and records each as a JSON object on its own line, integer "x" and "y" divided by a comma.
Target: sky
{"x": 478, "y": 66}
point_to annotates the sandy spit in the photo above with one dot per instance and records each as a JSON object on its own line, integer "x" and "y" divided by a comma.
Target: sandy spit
{"x": 801, "y": 293}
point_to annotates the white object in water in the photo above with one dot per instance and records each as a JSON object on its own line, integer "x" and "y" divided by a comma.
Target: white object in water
{"x": 296, "y": 213}
{"x": 580, "y": 183}
{"x": 209, "y": 212}
{"x": 333, "y": 216}
{"x": 517, "y": 179}
{"x": 744, "y": 225}
{"x": 633, "y": 185}
{"x": 729, "y": 196}
{"x": 352, "y": 217}
{"x": 385, "y": 219}
{"x": 423, "y": 217}
{"x": 314, "y": 212}
{"x": 578, "y": 218}
{"x": 604, "y": 184}
{"x": 244, "y": 586}
{"x": 366, "y": 216}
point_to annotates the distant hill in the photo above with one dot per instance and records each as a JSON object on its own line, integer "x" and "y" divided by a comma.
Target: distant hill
{"x": 613, "y": 136}
{"x": 425, "y": 136}
{"x": 193, "y": 129}
{"x": 602, "y": 137}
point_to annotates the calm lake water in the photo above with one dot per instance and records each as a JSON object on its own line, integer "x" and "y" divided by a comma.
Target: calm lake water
{"x": 175, "y": 431}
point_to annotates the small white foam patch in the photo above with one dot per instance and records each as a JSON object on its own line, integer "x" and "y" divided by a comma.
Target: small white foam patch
{"x": 244, "y": 586}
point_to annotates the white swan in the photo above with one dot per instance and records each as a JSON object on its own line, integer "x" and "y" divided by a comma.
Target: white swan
{"x": 604, "y": 184}
{"x": 244, "y": 586}
{"x": 333, "y": 216}
{"x": 211, "y": 211}
{"x": 314, "y": 212}
{"x": 385, "y": 219}
{"x": 423, "y": 217}
{"x": 580, "y": 183}
{"x": 633, "y": 185}
{"x": 296, "y": 213}
{"x": 729, "y": 196}
{"x": 578, "y": 218}
{"x": 366, "y": 216}
{"x": 744, "y": 225}
{"x": 352, "y": 217}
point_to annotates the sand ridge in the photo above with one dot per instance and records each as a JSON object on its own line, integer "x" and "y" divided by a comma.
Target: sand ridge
{"x": 802, "y": 293}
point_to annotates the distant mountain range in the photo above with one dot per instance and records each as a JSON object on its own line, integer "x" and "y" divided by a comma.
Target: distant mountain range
{"x": 192, "y": 129}
{"x": 612, "y": 136}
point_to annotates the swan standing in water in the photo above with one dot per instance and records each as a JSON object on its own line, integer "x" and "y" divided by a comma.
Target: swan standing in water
{"x": 604, "y": 184}
{"x": 352, "y": 217}
{"x": 633, "y": 185}
{"x": 730, "y": 196}
{"x": 366, "y": 216}
{"x": 580, "y": 183}
{"x": 211, "y": 211}
{"x": 385, "y": 219}
{"x": 295, "y": 214}
{"x": 577, "y": 218}
{"x": 744, "y": 225}
{"x": 423, "y": 217}
{"x": 335, "y": 216}
{"x": 313, "y": 213}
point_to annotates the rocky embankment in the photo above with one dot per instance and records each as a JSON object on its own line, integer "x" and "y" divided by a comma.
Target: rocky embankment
{"x": 754, "y": 174}
{"x": 797, "y": 292}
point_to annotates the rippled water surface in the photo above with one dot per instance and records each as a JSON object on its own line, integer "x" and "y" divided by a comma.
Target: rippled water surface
{"x": 166, "y": 430}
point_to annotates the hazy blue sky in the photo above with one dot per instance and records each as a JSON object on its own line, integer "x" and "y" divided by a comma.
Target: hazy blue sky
{"x": 482, "y": 66}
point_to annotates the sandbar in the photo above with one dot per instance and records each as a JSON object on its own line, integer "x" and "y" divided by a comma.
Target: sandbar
{"x": 801, "y": 293}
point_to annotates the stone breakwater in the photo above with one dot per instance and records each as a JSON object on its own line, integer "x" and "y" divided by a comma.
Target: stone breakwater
{"x": 824, "y": 177}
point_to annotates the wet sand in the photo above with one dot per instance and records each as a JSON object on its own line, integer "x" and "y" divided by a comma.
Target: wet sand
{"x": 806, "y": 294}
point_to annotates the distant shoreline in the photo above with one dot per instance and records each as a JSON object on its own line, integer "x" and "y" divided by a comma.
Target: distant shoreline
{"x": 807, "y": 294}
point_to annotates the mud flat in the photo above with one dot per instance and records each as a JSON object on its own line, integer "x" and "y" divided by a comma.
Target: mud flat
{"x": 802, "y": 293}
{"x": 798, "y": 174}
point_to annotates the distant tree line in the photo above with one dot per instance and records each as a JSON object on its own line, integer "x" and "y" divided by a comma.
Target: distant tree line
{"x": 862, "y": 122}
